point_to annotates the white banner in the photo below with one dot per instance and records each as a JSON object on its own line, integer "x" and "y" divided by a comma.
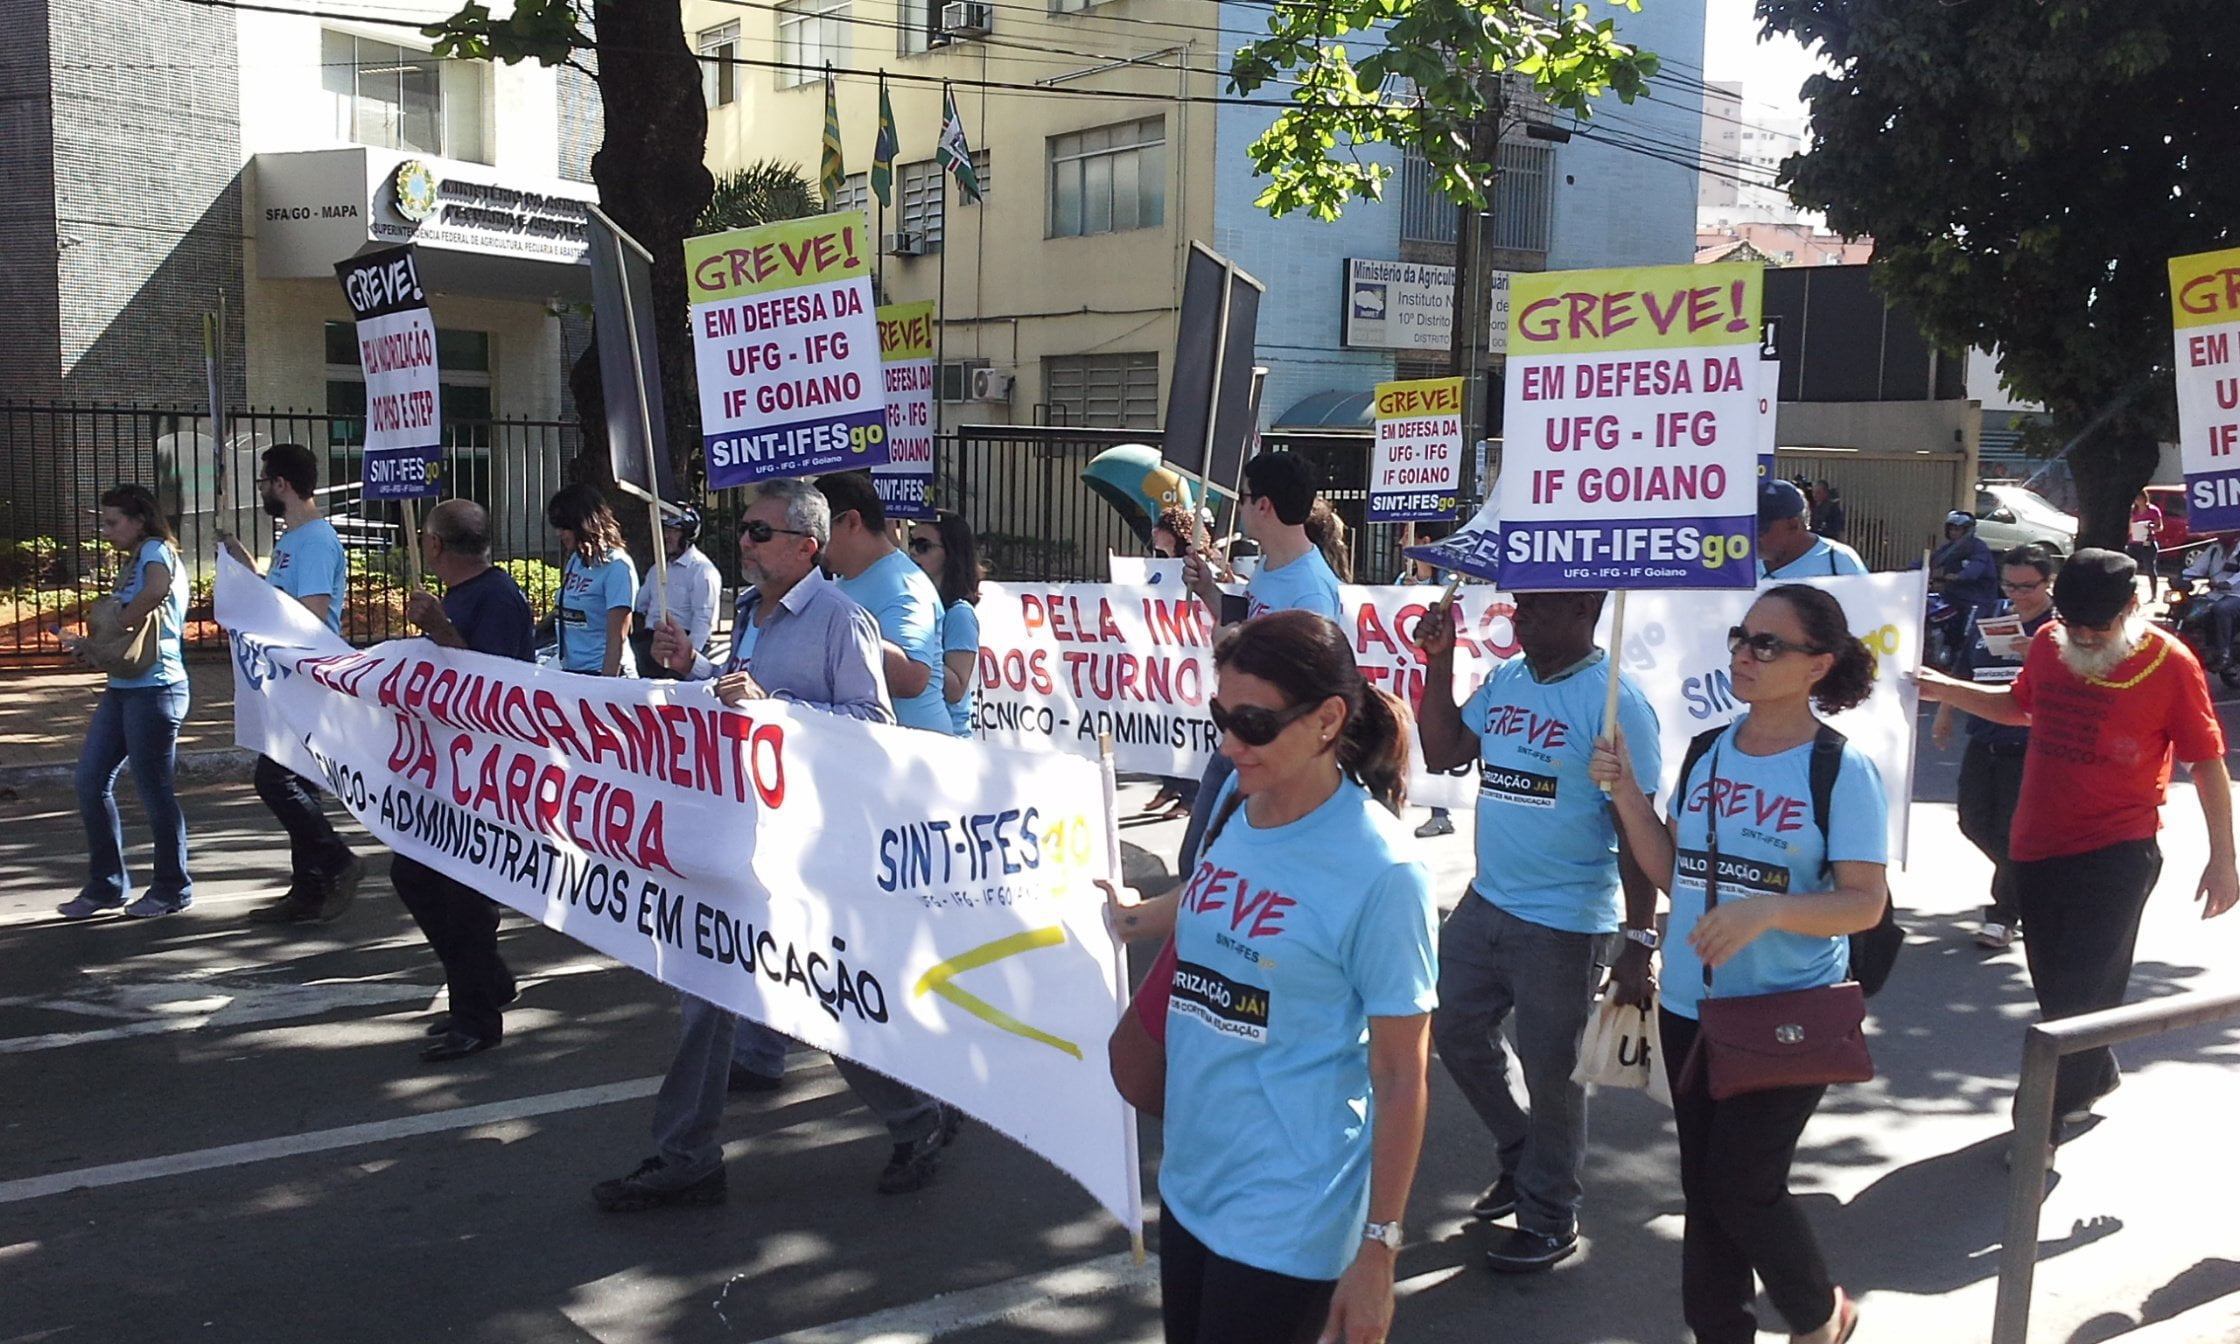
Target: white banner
{"x": 2205, "y": 324}
{"x": 922, "y": 905}
{"x": 397, "y": 354}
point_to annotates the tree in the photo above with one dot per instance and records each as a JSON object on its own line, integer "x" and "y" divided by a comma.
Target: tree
{"x": 2026, "y": 169}
{"x": 760, "y": 193}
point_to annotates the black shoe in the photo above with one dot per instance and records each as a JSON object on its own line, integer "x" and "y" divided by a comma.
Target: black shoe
{"x": 441, "y": 1026}
{"x": 653, "y": 1186}
{"x": 338, "y": 889}
{"x": 744, "y": 1079}
{"x": 456, "y": 1045}
{"x": 293, "y": 907}
{"x": 1523, "y": 1252}
{"x": 912, "y": 1166}
{"x": 1499, "y": 1200}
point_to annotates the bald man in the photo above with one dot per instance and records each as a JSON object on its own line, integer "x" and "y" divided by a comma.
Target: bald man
{"x": 482, "y": 610}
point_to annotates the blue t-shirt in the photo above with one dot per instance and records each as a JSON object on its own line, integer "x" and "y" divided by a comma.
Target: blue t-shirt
{"x": 1288, "y": 940}
{"x": 492, "y": 616}
{"x": 1306, "y": 584}
{"x": 960, "y": 633}
{"x": 907, "y": 607}
{"x": 1768, "y": 843}
{"x": 587, "y": 594}
{"x": 171, "y": 617}
{"x": 1547, "y": 836}
{"x": 1979, "y": 664}
{"x": 1823, "y": 559}
{"x": 308, "y": 561}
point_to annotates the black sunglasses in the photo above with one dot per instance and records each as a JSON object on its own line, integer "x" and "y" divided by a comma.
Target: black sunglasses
{"x": 1253, "y": 725}
{"x": 923, "y": 545}
{"x": 1763, "y": 647}
{"x": 758, "y": 531}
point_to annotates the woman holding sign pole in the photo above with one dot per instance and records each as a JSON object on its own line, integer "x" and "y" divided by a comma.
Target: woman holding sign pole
{"x": 950, "y": 556}
{"x": 1763, "y": 894}
{"x": 597, "y": 589}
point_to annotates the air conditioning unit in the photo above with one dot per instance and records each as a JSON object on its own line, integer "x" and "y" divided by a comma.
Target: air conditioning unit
{"x": 990, "y": 385}
{"x": 907, "y": 243}
{"x": 967, "y": 18}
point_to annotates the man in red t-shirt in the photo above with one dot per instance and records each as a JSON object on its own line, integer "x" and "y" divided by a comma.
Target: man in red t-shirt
{"x": 2109, "y": 700}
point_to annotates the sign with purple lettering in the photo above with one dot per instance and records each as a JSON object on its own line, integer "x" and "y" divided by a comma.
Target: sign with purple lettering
{"x": 2205, "y": 320}
{"x": 397, "y": 352}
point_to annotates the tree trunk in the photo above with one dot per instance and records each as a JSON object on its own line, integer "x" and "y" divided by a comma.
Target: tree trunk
{"x": 2110, "y": 467}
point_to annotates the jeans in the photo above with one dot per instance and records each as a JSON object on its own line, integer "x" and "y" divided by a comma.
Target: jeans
{"x": 1741, "y": 1218}
{"x": 1207, "y": 1298}
{"x": 461, "y": 926}
{"x": 1217, "y": 774}
{"x": 758, "y": 1049}
{"x": 139, "y": 724}
{"x": 1490, "y": 964}
{"x": 1990, "y": 782}
{"x": 2083, "y": 914}
{"x": 2222, "y": 617}
{"x": 314, "y": 850}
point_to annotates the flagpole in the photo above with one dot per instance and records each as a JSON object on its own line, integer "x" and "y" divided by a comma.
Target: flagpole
{"x": 878, "y": 147}
{"x": 1134, "y": 1144}
{"x": 941, "y": 284}
{"x": 1614, "y": 657}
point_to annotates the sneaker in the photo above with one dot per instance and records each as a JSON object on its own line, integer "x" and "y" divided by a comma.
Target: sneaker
{"x": 85, "y": 907}
{"x": 744, "y": 1079}
{"x": 1439, "y": 824}
{"x": 294, "y": 905}
{"x": 1994, "y": 936}
{"x": 340, "y": 888}
{"x": 1523, "y": 1252}
{"x": 655, "y": 1185}
{"x": 150, "y": 907}
{"x": 912, "y": 1166}
{"x": 1499, "y": 1200}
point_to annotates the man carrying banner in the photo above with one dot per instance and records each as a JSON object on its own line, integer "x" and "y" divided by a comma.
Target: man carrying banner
{"x": 2109, "y": 700}
{"x": 884, "y": 581}
{"x": 795, "y": 637}
{"x": 309, "y": 566}
{"x": 1787, "y": 549}
{"x": 482, "y": 609}
{"x": 1533, "y": 931}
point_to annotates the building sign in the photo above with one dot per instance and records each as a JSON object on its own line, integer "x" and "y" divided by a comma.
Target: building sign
{"x": 906, "y": 361}
{"x": 397, "y": 350}
{"x": 315, "y": 208}
{"x": 1407, "y": 305}
{"x": 1416, "y": 473}
{"x": 2205, "y": 318}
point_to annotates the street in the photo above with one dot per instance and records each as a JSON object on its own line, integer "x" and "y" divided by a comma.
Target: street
{"x": 218, "y": 1131}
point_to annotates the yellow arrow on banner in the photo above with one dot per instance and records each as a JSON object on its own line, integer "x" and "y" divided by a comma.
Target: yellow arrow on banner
{"x": 940, "y": 980}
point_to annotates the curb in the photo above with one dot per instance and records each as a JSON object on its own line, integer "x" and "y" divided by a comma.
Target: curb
{"x": 219, "y": 763}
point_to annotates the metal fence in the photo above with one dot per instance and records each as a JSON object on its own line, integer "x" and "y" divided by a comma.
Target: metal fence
{"x": 56, "y": 460}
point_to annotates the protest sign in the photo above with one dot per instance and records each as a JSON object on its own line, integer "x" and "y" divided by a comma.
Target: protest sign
{"x": 2205, "y": 321}
{"x": 1630, "y": 412}
{"x": 787, "y": 348}
{"x": 905, "y": 479}
{"x": 622, "y": 319}
{"x": 922, "y": 905}
{"x": 397, "y": 353}
{"x": 1415, "y": 471}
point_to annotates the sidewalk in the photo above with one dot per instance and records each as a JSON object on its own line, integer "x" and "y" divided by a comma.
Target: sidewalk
{"x": 44, "y": 711}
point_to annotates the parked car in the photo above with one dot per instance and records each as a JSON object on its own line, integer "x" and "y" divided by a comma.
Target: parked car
{"x": 2010, "y": 515}
{"x": 2176, "y": 536}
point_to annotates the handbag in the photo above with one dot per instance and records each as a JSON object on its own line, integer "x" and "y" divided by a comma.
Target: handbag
{"x": 1756, "y": 1042}
{"x": 110, "y": 647}
{"x": 1619, "y": 1049}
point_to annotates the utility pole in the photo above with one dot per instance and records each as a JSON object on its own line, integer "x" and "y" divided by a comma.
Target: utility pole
{"x": 1472, "y": 313}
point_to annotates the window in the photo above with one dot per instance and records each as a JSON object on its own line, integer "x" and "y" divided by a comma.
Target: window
{"x": 398, "y": 98}
{"x": 1522, "y": 197}
{"x": 918, "y": 26}
{"x": 1105, "y": 391}
{"x": 855, "y": 193}
{"x": 1071, "y": 6}
{"x": 918, "y": 193}
{"x": 980, "y": 170}
{"x": 719, "y": 78}
{"x": 1109, "y": 179}
{"x": 811, "y": 35}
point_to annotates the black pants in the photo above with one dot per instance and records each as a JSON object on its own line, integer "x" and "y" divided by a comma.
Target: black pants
{"x": 1210, "y": 1299}
{"x": 461, "y": 924}
{"x": 1990, "y": 781}
{"x": 2083, "y": 911}
{"x": 314, "y": 850}
{"x": 1741, "y": 1218}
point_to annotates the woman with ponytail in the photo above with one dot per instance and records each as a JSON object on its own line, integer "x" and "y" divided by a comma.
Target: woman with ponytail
{"x": 1298, "y": 1019}
{"x": 1787, "y": 894}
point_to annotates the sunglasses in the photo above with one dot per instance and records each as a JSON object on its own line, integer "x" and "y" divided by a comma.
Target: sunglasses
{"x": 1255, "y": 726}
{"x": 2006, "y": 586}
{"x": 1763, "y": 647}
{"x": 923, "y": 545}
{"x": 758, "y": 531}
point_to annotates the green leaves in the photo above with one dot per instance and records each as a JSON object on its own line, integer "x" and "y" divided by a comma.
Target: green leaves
{"x": 548, "y": 32}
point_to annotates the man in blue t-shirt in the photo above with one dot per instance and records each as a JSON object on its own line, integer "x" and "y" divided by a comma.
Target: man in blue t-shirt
{"x": 1532, "y": 933}
{"x": 1787, "y": 549}
{"x": 882, "y": 579}
{"x": 308, "y": 565}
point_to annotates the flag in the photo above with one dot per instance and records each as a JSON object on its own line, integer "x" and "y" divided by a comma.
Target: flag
{"x": 954, "y": 153}
{"x": 834, "y": 173}
{"x": 1473, "y": 549}
{"x": 883, "y": 152}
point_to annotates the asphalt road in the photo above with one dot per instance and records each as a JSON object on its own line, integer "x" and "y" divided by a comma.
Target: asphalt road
{"x": 214, "y": 1131}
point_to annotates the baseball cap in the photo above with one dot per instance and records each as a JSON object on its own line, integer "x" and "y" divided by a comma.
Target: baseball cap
{"x": 1778, "y": 500}
{"x": 2094, "y": 587}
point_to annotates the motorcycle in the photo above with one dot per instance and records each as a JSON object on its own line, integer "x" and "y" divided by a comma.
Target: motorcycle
{"x": 2188, "y": 616}
{"x": 1943, "y": 626}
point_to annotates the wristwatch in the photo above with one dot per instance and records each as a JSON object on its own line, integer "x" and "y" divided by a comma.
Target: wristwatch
{"x": 1646, "y": 937}
{"x": 1388, "y": 1234}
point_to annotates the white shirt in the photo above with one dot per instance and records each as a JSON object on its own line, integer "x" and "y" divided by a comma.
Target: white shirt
{"x": 695, "y": 586}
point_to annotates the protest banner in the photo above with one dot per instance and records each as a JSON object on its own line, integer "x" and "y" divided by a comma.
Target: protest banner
{"x": 1630, "y": 412}
{"x": 397, "y": 353}
{"x": 1415, "y": 471}
{"x": 2205, "y": 324}
{"x": 905, "y": 479}
{"x": 787, "y": 348}
{"x": 919, "y": 904}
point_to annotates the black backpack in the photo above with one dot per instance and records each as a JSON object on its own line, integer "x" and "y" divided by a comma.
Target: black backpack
{"x": 1873, "y": 951}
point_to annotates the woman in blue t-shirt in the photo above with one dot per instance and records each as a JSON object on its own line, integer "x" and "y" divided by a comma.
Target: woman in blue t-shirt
{"x": 1298, "y": 1017}
{"x": 598, "y": 587}
{"x": 137, "y": 720}
{"x": 1779, "y": 924}
{"x": 950, "y": 555}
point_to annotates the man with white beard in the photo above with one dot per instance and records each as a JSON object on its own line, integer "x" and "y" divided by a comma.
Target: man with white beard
{"x": 2110, "y": 699}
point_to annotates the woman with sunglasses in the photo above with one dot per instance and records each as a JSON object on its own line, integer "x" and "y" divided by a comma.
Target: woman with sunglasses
{"x": 1298, "y": 1018}
{"x": 1786, "y": 897}
{"x": 598, "y": 588}
{"x": 950, "y": 555}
